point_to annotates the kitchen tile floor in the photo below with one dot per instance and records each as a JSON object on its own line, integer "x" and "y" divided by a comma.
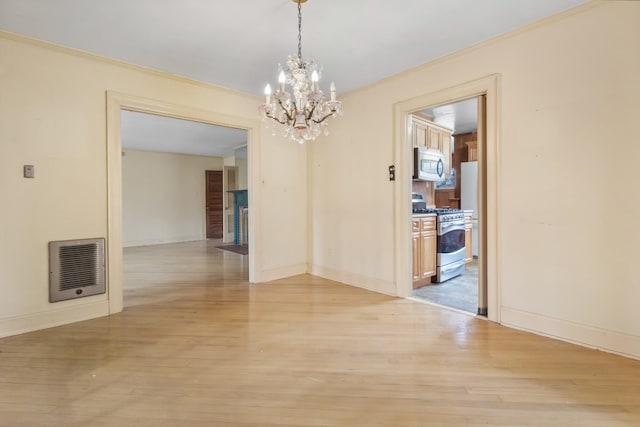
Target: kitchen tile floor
{"x": 460, "y": 292}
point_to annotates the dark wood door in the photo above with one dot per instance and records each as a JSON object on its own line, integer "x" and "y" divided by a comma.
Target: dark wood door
{"x": 214, "y": 204}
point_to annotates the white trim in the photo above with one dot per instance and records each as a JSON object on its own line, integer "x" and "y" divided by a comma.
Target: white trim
{"x": 149, "y": 242}
{"x": 575, "y": 333}
{"x": 256, "y": 275}
{"x": 488, "y": 86}
{"x": 444, "y": 307}
{"x": 400, "y": 76}
{"x": 279, "y": 273}
{"x": 53, "y": 317}
{"x": 227, "y": 237}
{"x": 115, "y": 103}
{"x": 21, "y": 38}
{"x": 366, "y": 282}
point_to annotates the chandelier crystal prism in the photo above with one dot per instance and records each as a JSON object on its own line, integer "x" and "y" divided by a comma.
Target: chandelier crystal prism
{"x": 303, "y": 115}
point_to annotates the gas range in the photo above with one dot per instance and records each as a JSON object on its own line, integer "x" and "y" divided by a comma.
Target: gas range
{"x": 425, "y": 210}
{"x": 444, "y": 214}
{"x": 450, "y": 238}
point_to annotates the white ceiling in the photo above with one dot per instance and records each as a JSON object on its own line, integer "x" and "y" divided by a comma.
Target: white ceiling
{"x": 461, "y": 116}
{"x": 239, "y": 44}
{"x": 149, "y": 132}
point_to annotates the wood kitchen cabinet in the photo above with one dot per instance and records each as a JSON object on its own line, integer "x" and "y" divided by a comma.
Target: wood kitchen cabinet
{"x": 472, "y": 151}
{"x": 428, "y": 246}
{"x": 425, "y": 133}
{"x": 424, "y": 250}
{"x": 445, "y": 147}
{"x": 468, "y": 236}
{"x": 445, "y": 198}
{"x": 416, "y": 250}
{"x": 434, "y": 138}
{"x": 419, "y": 133}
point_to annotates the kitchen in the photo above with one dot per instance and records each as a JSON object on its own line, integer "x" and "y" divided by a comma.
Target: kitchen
{"x": 445, "y": 205}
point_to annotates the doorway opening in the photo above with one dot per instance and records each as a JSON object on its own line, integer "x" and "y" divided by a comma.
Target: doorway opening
{"x": 173, "y": 203}
{"x": 117, "y": 103}
{"x": 454, "y": 130}
{"x": 487, "y": 153}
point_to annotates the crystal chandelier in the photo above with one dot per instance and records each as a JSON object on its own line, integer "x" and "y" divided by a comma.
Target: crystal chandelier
{"x": 304, "y": 115}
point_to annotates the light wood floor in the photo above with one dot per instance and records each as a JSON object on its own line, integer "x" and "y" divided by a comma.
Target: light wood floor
{"x": 198, "y": 346}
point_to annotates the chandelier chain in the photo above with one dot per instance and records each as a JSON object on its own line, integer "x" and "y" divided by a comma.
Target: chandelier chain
{"x": 299, "y": 30}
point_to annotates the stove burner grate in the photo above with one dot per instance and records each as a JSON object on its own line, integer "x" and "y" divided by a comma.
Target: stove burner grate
{"x": 439, "y": 211}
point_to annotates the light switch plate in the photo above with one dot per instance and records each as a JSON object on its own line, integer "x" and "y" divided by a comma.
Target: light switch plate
{"x": 29, "y": 171}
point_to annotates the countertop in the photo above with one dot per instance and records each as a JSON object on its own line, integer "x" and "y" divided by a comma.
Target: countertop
{"x": 422, "y": 215}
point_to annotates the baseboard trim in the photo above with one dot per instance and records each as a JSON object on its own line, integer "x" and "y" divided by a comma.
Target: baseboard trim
{"x": 575, "y": 333}
{"x": 281, "y": 273}
{"x": 365, "y": 282}
{"x": 153, "y": 242}
{"x": 51, "y": 318}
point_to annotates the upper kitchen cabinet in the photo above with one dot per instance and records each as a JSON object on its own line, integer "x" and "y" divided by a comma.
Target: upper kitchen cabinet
{"x": 472, "y": 150}
{"x": 425, "y": 133}
{"x": 435, "y": 138}
{"x": 419, "y": 132}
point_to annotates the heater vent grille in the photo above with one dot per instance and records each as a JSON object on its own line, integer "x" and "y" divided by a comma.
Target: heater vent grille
{"x": 76, "y": 269}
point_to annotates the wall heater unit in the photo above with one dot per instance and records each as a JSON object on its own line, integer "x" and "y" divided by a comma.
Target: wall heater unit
{"x": 76, "y": 269}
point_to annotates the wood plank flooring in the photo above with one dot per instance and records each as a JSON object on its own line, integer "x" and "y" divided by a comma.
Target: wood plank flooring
{"x": 198, "y": 346}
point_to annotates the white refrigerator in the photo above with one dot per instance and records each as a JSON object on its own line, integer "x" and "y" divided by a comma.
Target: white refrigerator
{"x": 469, "y": 196}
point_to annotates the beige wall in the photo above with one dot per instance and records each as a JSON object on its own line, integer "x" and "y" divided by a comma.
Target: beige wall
{"x": 567, "y": 198}
{"x": 163, "y": 197}
{"x": 242, "y": 173}
{"x": 53, "y": 115}
{"x": 567, "y": 195}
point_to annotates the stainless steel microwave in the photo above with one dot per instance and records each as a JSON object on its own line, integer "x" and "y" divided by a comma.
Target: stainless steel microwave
{"x": 428, "y": 164}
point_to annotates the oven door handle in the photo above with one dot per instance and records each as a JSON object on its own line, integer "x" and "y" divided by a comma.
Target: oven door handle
{"x": 445, "y": 227}
{"x": 452, "y": 266}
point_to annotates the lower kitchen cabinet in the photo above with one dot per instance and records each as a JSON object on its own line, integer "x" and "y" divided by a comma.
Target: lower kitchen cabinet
{"x": 468, "y": 236}
{"x": 416, "y": 257}
{"x": 424, "y": 250}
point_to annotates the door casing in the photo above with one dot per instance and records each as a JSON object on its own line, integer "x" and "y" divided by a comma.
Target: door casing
{"x": 116, "y": 102}
{"x": 488, "y": 152}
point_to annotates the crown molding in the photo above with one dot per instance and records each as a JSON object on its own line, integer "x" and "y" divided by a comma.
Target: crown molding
{"x": 20, "y": 38}
{"x": 493, "y": 40}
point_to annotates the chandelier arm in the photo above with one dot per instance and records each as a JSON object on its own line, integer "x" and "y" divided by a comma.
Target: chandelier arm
{"x": 311, "y": 112}
{"x": 286, "y": 112}
{"x": 324, "y": 118}
{"x": 276, "y": 119}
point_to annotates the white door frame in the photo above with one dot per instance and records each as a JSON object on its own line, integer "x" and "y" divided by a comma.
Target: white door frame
{"x": 116, "y": 102}
{"x": 227, "y": 207}
{"x": 489, "y": 234}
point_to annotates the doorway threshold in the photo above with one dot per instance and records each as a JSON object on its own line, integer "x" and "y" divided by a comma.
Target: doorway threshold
{"x": 446, "y": 307}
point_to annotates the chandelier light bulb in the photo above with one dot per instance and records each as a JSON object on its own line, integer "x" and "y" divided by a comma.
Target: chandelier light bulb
{"x": 267, "y": 92}
{"x": 281, "y": 80}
